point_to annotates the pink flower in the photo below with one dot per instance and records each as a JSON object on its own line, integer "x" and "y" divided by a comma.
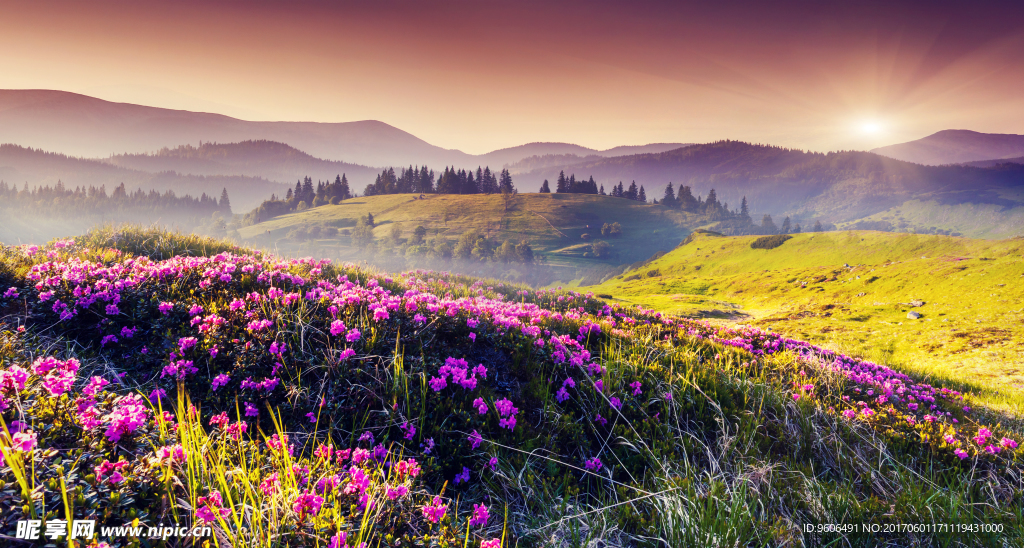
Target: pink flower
{"x": 338, "y": 540}
{"x": 593, "y": 464}
{"x": 1008, "y": 443}
{"x": 480, "y": 516}
{"x": 110, "y": 471}
{"x": 23, "y": 441}
{"x": 480, "y": 406}
{"x": 128, "y": 416}
{"x": 208, "y": 509}
{"x": 307, "y": 503}
{"x": 796, "y": 397}
{"x": 493, "y": 543}
{"x": 960, "y": 453}
{"x": 337, "y": 328}
{"x": 220, "y": 420}
{"x": 435, "y": 511}
{"x": 353, "y": 335}
{"x": 165, "y": 308}
{"x": 394, "y": 493}
{"x": 475, "y": 439}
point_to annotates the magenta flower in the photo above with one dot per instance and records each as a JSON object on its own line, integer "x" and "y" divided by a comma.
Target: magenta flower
{"x": 220, "y": 420}
{"x": 493, "y": 543}
{"x": 480, "y": 406}
{"x": 185, "y": 343}
{"x": 337, "y": 328}
{"x": 307, "y": 503}
{"x": 251, "y": 410}
{"x": 435, "y": 511}
{"x": 165, "y": 308}
{"x": 637, "y": 388}
{"x": 23, "y": 441}
{"x": 480, "y": 516}
{"x": 462, "y": 477}
{"x": 219, "y": 381}
{"x": 338, "y": 540}
{"x": 475, "y": 439}
{"x": 353, "y": 335}
{"x": 593, "y": 464}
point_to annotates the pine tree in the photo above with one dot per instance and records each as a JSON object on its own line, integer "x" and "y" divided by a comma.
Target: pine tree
{"x": 505, "y": 182}
{"x": 601, "y": 191}
{"x": 669, "y": 200}
{"x": 817, "y": 227}
{"x": 225, "y": 202}
{"x": 544, "y": 188}
{"x": 744, "y": 210}
{"x": 767, "y": 225}
{"x": 633, "y": 193}
{"x": 643, "y": 195}
{"x": 562, "y": 184}
{"x": 786, "y": 226}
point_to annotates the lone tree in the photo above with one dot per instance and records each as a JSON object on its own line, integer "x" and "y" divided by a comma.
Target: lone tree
{"x": 544, "y": 188}
{"x": 786, "y": 226}
{"x": 225, "y": 202}
{"x": 508, "y": 197}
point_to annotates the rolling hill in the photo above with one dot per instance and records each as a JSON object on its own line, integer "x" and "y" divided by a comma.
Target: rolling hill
{"x": 264, "y": 159}
{"x": 560, "y": 227}
{"x": 853, "y": 290}
{"x": 956, "y": 146}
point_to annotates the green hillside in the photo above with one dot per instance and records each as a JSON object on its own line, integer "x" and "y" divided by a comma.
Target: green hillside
{"x": 561, "y": 228}
{"x": 854, "y": 290}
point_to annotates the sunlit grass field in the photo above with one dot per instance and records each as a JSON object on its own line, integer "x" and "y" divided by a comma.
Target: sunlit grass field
{"x": 853, "y": 291}
{"x": 554, "y": 224}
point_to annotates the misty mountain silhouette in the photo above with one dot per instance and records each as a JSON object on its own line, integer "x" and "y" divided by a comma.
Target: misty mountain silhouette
{"x": 85, "y": 126}
{"x": 955, "y": 146}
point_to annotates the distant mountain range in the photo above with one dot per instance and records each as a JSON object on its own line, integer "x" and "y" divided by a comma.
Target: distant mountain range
{"x": 837, "y": 187}
{"x": 265, "y": 159}
{"x": 21, "y": 165}
{"x": 956, "y": 146}
{"x": 84, "y": 126}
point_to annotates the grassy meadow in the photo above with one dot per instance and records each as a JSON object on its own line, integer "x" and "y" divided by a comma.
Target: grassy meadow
{"x": 853, "y": 291}
{"x": 154, "y": 378}
{"x": 561, "y": 227}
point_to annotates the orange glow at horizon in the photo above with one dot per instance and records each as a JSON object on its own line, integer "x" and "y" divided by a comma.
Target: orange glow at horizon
{"x": 478, "y": 77}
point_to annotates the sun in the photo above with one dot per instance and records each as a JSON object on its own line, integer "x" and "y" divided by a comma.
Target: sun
{"x": 870, "y": 128}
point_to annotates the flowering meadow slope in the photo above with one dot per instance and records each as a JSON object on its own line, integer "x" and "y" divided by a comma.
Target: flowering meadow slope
{"x": 171, "y": 380}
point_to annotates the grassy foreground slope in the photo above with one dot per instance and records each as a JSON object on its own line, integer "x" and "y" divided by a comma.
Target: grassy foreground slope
{"x": 554, "y": 224}
{"x": 854, "y": 290}
{"x": 179, "y": 380}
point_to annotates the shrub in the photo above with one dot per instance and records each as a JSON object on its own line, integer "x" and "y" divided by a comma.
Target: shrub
{"x": 769, "y": 242}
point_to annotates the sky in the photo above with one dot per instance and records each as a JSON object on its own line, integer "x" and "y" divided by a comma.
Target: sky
{"x": 479, "y": 75}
